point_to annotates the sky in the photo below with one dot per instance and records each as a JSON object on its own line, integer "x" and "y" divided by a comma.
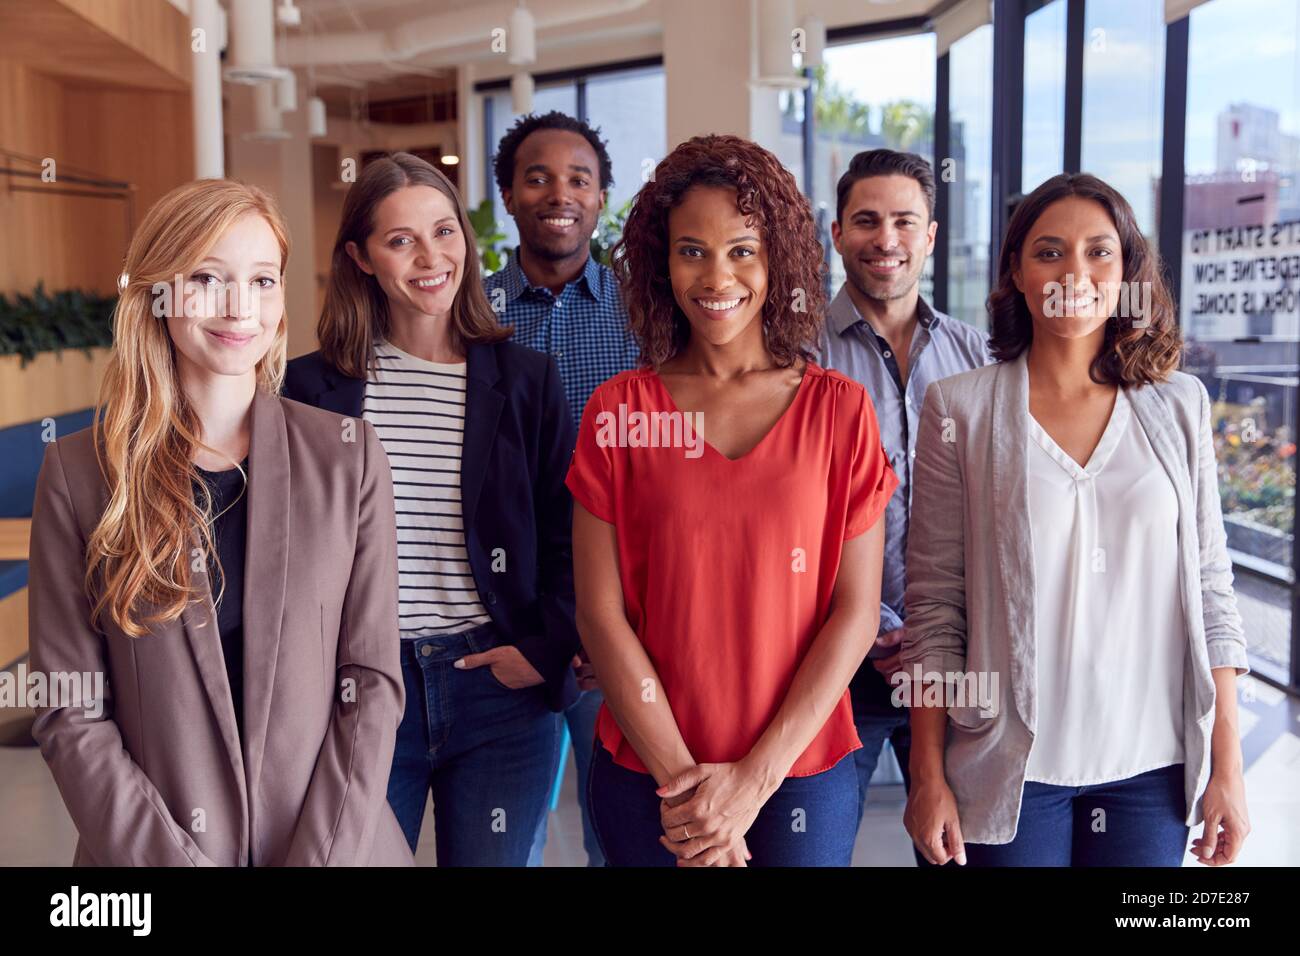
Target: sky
{"x": 1240, "y": 51}
{"x": 882, "y": 71}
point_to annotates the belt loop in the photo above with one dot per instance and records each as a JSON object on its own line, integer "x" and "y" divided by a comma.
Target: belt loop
{"x": 480, "y": 637}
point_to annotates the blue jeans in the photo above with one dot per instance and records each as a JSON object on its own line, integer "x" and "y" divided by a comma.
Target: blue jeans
{"x": 1132, "y": 822}
{"x": 581, "y": 718}
{"x": 484, "y": 750}
{"x": 877, "y": 722}
{"x": 808, "y": 821}
{"x": 873, "y": 731}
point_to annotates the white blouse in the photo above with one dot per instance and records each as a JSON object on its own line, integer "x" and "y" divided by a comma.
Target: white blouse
{"x": 1107, "y": 610}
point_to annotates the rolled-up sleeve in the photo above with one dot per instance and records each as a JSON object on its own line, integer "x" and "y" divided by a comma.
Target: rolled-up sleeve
{"x": 1224, "y": 637}
{"x": 935, "y": 598}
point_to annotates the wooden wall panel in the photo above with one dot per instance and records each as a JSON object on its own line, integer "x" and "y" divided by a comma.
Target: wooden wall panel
{"x": 138, "y": 136}
{"x": 153, "y": 28}
{"x": 32, "y": 241}
{"x": 135, "y": 43}
{"x": 52, "y": 384}
{"x": 13, "y": 627}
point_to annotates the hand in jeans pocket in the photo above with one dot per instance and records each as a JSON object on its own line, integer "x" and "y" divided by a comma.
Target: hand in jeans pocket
{"x": 506, "y": 664}
{"x": 584, "y": 671}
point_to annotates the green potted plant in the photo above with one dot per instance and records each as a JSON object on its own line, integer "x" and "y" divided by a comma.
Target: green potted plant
{"x": 483, "y": 218}
{"x": 53, "y": 321}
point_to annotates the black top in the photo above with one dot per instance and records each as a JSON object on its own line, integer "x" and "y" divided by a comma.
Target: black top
{"x": 229, "y": 531}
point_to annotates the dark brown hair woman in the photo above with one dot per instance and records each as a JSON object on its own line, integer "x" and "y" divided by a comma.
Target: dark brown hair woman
{"x": 727, "y": 542}
{"x": 478, "y": 435}
{"x": 1067, "y": 550}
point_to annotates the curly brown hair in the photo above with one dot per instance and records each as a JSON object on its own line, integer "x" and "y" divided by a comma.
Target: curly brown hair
{"x": 1131, "y": 354}
{"x": 769, "y": 198}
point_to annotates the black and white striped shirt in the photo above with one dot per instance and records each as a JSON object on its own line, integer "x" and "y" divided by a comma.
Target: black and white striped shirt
{"x": 418, "y": 411}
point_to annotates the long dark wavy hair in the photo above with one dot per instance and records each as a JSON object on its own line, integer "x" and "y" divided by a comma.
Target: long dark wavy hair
{"x": 1130, "y": 354}
{"x": 769, "y": 198}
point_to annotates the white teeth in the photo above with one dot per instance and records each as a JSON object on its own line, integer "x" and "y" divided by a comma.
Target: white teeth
{"x": 559, "y": 222}
{"x": 886, "y": 263}
{"x": 429, "y": 283}
{"x": 721, "y": 306}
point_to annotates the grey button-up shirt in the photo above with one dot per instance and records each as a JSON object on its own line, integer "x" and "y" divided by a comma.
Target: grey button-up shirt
{"x": 941, "y": 346}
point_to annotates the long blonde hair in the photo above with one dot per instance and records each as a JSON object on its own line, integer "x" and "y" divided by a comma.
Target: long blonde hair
{"x": 356, "y": 308}
{"x": 145, "y": 430}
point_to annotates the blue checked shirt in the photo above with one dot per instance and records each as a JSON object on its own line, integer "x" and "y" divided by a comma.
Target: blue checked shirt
{"x": 941, "y": 346}
{"x": 584, "y": 328}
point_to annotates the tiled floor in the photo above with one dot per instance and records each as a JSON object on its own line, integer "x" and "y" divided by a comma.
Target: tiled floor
{"x": 35, "y": 829}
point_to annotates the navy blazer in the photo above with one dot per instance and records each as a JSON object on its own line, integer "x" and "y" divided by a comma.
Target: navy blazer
{"x": 519, "y": 438}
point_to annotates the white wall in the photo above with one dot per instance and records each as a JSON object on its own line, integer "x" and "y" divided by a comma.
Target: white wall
{"x": 282, "y": 168}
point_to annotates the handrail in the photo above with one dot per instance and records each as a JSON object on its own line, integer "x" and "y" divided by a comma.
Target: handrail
{"x": 98, "y": 185}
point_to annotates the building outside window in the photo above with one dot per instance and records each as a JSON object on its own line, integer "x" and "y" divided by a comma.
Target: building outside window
{"x": 1240, "y": 288}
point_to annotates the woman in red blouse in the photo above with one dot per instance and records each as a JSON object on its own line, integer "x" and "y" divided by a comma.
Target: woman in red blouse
{"x": 726, "y": 535}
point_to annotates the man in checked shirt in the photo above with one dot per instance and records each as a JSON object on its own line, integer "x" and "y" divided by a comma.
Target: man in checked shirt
{"x": 553, "y": 172}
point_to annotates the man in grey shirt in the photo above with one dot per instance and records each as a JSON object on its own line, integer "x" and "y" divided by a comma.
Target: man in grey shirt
{"x": 880, "y": 332}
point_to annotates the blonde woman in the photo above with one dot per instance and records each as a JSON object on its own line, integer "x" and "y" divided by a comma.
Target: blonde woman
{"x": 225, "y": 561}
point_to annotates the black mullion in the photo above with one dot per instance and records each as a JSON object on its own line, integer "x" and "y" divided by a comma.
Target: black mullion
{"x": 1008, "y": 119}
{"x": 1074, "y": 29}
{"x": 489, "y": 147}
{"x": 809, "y": 134}
{"x": 942, "y": 148}
{"x": 567, "y": 75}
{"x": 1172, "y": 173}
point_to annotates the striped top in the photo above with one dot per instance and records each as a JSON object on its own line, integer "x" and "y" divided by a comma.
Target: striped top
{"x": 418, "y": 410}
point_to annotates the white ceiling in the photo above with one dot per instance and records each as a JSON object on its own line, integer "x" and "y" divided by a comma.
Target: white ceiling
{"x": 426, "y": 73}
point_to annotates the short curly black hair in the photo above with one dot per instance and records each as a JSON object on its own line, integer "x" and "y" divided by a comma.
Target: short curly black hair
{"x": 503, "y": 163}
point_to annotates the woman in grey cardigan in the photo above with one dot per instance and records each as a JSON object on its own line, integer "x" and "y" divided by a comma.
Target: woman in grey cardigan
{"x": 1069, "y": 587}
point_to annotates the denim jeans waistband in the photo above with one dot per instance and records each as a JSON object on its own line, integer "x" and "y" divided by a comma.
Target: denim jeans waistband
{"x": 441, "y": 648}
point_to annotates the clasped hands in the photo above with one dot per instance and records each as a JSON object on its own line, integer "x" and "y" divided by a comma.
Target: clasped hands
{"x": 707, "y": 810}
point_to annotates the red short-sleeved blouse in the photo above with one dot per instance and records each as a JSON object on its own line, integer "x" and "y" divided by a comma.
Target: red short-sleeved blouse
{"x": 728, "y": 566}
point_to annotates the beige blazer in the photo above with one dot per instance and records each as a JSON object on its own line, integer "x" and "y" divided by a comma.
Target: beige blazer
{"x": 160, "y": 777}
{"x": 970, "y": 577}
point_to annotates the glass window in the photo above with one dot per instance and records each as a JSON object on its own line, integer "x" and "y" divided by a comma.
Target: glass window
{"x": 867, "y": 95}
{"x": 1123, "y": 99}
{"x": 1043, "y": 126}
{"x": 1240, "y": 301}
{"x": 970, "y": 102}
{"x": 629, "y": 109}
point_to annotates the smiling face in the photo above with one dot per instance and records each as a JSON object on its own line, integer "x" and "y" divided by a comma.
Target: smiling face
{"x": 885, "y": 236}
{"x": 555, "y": 195}
{"x": 232, "y": 304}
{"x": 416, "y": 251}
{"x": 1070, "y": 269}
{"x": 717, "y": 265}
